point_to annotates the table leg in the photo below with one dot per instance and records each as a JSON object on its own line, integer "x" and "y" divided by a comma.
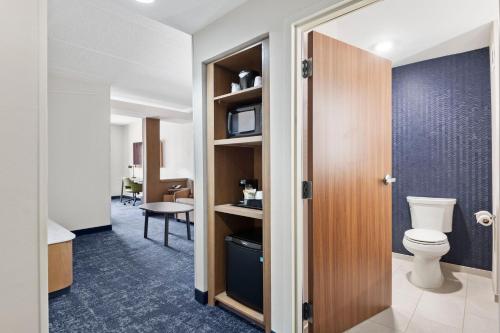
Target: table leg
{"x": 187, "y": 226}
{"x": 121, "y": 193}
{"x": 146, "y": 214}
{"x": 167, "y": 218}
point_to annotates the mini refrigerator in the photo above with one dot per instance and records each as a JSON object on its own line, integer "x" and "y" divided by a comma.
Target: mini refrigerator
{"x": 244, "y": 263}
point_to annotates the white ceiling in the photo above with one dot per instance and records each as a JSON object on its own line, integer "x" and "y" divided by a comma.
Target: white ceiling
{"x": 420, "y": 29}
{"x": 117, "y": 119}
{"x": 144, "y": 61}
{"x": 187, "y": 15}
{"x": 140, "y": 110}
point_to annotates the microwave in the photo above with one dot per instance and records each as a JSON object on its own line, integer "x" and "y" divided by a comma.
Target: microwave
{"x": 245, "y": 121}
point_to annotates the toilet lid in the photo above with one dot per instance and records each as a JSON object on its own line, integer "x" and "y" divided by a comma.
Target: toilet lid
{"x": 426, "y": 236}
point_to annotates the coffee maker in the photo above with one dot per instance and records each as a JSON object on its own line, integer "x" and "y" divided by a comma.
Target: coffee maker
{"x": 251, "y": 197}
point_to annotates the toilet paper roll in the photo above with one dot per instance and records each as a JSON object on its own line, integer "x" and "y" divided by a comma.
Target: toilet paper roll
{"x": 484, "y": 218}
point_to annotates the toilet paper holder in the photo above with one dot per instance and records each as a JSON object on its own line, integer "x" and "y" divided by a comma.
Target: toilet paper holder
{"x": 485, "y": 218}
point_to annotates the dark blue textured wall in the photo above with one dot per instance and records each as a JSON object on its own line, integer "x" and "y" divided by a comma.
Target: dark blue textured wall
{"x": 442, "y": 147}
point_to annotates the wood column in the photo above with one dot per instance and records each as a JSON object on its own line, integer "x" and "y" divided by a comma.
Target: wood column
{"x": 153, "y": 191}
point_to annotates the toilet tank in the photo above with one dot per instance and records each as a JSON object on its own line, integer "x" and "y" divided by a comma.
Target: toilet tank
{"x": 431, "y": 213}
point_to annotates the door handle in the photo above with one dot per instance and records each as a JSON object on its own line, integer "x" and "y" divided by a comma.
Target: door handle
{"x": 388, "y": 179}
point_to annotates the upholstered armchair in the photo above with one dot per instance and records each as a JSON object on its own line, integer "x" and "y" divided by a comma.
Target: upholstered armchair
{"x": 184, "y": 196}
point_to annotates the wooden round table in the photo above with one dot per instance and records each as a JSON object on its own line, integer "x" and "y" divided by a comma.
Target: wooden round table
{"x": 169, "y": 209}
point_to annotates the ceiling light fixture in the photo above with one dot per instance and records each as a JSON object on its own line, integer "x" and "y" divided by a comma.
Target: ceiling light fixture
{"x": 384, "y": 46}
{"x": 145, "y": 1}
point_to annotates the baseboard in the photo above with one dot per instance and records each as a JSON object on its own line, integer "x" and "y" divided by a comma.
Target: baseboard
{"x": 92, "y": 230}
{"x": 184, "y": 221}
{"x": 58, "y": 293}
{"x": 114, "y": 197}
{"x": 451, "y": 267}
{"x": 201, "y": 296}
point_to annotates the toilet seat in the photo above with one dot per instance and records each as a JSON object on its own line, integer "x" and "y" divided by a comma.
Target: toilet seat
{"x": 426, "y": 237}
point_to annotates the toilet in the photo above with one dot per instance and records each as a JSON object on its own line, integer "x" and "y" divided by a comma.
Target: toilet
{"x": 430, "y": 219}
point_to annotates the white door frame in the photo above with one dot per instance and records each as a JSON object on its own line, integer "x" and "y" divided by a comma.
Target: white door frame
{"x": 43, "y": 167}
{"x": 299, "y": 29}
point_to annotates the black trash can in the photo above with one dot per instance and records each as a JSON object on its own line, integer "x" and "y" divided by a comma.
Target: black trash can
{"x": 244, "y": 263}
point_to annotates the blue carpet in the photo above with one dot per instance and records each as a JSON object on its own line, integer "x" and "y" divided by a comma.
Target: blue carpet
{"x": 125, "y": 283}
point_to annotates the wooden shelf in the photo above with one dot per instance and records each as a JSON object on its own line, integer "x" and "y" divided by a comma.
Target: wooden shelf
{"x": 240, "y": 96}
{"x": 250, "y": 57}
{"x": 240, "y": 211}
{"x": 249, "y": 141}
{"x": 228, "y": 161}
{"x": 241, "y": 309}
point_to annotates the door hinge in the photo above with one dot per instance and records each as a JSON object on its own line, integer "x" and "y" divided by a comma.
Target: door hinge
{"x": 307, "y": 187}
{"x": 307, "y": 311}
{"x": 307, "y": 68}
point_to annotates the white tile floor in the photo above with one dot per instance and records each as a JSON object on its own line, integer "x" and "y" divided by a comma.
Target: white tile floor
{"x": 463, "y": 304}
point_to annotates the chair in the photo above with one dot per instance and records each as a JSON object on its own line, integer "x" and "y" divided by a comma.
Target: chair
{"x": 182, "y": 216}
{"x": 184, "y": 196}
{"x": 184, "y": 193}
{"x": 181, "y": 193}
{"x": 126, "y": 184}
{"x": 134, "y": 189}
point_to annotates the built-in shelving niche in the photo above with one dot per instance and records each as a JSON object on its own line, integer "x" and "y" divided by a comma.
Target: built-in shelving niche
{"x": 232, "y": 164}
{"x": 228, "y": 161}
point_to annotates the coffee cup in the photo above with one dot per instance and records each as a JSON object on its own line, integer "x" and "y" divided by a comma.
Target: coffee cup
{"x": 235, "y": 87}
{"x": 257, "y": 81}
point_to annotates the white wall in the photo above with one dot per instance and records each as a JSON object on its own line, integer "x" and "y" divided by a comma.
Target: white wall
{"x": 23, "y": 299}
{"x": 118, "y": 157}
{"x": 274, "y": 18}
{"x": 133, "y": 133}
{"x": 177, "y": 150}
{"x": 79, "y": 153}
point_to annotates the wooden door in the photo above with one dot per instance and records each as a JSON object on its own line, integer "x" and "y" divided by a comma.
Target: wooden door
{"x": 349, "y": 153}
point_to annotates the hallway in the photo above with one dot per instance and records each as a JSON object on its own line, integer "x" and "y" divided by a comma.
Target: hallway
{"x": 124, "y": 283}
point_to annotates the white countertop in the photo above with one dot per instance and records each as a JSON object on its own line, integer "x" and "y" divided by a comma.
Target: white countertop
{"x": 58, "y": 234}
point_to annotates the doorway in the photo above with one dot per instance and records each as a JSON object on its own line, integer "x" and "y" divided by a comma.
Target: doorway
{"x": 457, "y": 43}
{"x": 126, "y": 156}
{"x": 349, "y": 213}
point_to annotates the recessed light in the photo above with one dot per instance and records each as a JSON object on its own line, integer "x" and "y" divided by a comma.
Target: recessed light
{"x": 383, "y": 47}
{"x": 145, "y": 1}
